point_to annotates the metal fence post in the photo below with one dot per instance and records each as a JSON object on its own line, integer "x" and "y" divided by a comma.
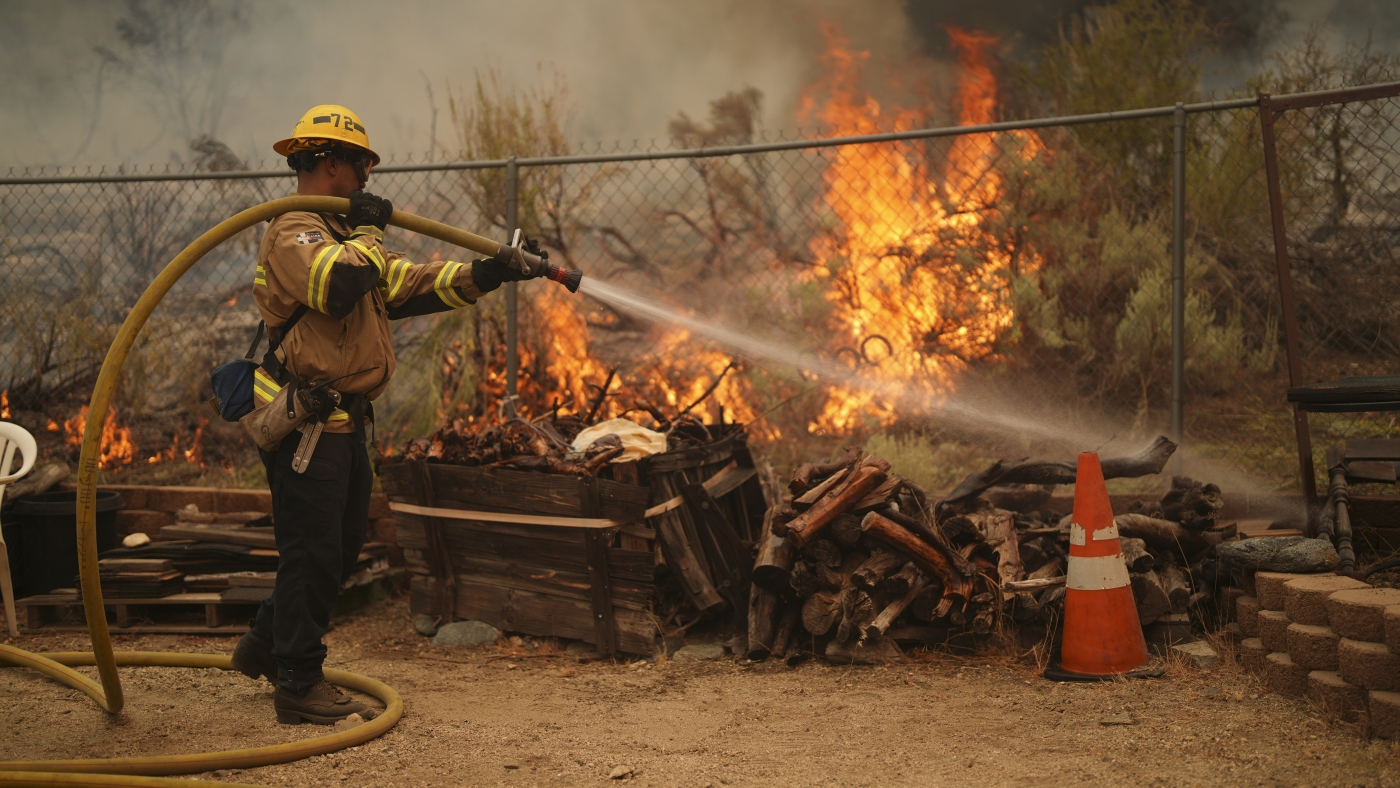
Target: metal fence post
{"x": 512, "y": 310}
{"x": 1178, "y": 277}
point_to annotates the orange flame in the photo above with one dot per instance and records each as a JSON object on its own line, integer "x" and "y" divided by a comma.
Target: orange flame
{"x": 673, "y": 376}
{"x": 5, "y": 404}
{"x": 192, "y": 454}
{"x": 117, "y": 448}
{"x": 918, "y": 284}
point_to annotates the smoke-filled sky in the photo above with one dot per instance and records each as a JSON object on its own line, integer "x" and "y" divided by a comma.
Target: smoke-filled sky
{"x": 76, "y": 91}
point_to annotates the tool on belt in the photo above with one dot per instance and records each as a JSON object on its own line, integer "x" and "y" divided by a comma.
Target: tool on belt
{"x": 318, "y": 402}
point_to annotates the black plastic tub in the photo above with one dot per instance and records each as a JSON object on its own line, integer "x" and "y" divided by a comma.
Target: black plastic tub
{"x": 42, "y": 536}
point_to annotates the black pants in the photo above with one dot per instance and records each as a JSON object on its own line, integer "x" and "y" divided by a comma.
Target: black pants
{"x": 319, "y": 518}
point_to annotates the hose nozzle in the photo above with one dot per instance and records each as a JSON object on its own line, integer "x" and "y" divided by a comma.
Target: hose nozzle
{"x": 569, "y": 278}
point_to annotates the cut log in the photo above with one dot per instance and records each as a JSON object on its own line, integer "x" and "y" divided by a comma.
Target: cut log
{"x": 804, "y": 475}
{"x": 923, "y": 554}
{"x": 772, "y": 569}
{"x": 822, "y": 552}
{"x": 845, "y": 530}
{"x": 931, "y": 537}
{"x": 805, "y": 500}
{"x": 926, "y": 602}
{"x": 998, "y": 528}
{"x": 763, "y": 614}
{"x": 1151, "y": 600}
{"x": 1162, "y": 536}
{"x": 882, "y": 622}
{"x": 1151, "y": 460}
{"x": 858, "y": 609}
{"x": 787, "y": 629}
{"x": 1135, "y": 555}
{"x": 809, "y": 524}
{"x": 1038, "y": 584}
{"x": 820, "y": 613}
{"x": 839, "y": 577}
{"x": 880, "y": 565}
{"x": 1052, "y": 568}
{"x": 804, "y": 581}
{"x": 881, "y": 496}
{"x": 1177, "y": 585}
{"x": 899, "y": 583}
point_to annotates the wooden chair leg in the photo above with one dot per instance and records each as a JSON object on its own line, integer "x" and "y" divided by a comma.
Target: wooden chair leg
{"x": 7, "y": 588}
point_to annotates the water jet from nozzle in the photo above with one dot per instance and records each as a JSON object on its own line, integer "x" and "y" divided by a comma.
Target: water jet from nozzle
{"x": 570, "y": 277}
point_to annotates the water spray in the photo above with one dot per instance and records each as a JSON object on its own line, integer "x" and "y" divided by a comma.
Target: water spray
{"x": 979, "y": 416}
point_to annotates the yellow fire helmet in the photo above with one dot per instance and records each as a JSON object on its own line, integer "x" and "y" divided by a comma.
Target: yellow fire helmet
{"x": 326, "y": 123}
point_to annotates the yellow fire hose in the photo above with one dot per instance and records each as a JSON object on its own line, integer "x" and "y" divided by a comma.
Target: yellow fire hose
{"x": 58, "y": 665}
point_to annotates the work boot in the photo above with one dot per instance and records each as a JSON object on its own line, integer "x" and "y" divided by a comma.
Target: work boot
{"x": 253, "y": 657}
{"x": 323, "y": 704}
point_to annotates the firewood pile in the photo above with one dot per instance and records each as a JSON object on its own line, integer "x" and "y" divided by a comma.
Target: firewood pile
{"x": 545, "y": 443}
{"x": 859, "y": 560}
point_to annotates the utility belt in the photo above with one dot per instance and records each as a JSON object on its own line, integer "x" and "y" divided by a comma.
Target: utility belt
{"x": 288, "y": 404}
{"x": 278, "y": 403}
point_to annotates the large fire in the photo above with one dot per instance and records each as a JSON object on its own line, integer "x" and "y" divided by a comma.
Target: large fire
{"x": 918, "y": 286}
{"x": 674, "y": 375}
{"x": 917, "y": 280}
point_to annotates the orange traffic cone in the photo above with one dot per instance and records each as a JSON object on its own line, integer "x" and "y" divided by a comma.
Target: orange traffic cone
{"x": 1102, "y": 634}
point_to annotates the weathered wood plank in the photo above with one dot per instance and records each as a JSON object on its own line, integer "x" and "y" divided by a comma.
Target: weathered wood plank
{"x": 544, "y": 615}
{"x": 729, "y": 560}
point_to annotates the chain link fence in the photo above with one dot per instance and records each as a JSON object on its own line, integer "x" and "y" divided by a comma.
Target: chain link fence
{"x": 950, "y": 295}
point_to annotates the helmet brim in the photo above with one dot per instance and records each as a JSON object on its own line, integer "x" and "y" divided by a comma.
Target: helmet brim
{"x": 284, "y": 147}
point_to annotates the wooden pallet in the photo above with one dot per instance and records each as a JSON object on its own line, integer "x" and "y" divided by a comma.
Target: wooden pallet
{"x": 224, "y": 613}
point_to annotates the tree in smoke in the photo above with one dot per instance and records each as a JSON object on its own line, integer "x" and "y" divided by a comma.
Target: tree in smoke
{"x": 177, "y": 49}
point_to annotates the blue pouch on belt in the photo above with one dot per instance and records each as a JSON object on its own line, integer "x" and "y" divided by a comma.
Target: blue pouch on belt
{"x": 233, "y": 389}
{"x": 233, "y": 382}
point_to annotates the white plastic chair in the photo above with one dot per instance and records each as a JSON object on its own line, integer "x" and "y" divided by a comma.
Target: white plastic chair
{"x": 12, "y": 437}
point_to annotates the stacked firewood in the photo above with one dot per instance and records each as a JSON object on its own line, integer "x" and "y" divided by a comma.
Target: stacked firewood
{"x": 544, "y": 443}
{"x": 859, "y": 559}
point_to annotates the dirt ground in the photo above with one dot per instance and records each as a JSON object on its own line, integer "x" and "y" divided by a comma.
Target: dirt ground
{"x": 514, "y": 716}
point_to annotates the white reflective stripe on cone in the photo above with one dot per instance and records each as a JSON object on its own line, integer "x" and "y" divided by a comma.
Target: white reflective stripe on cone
{"x": 1097, "y": 573}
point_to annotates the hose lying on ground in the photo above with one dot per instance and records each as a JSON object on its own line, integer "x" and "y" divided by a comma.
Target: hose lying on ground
{"x": 108, "y": 694}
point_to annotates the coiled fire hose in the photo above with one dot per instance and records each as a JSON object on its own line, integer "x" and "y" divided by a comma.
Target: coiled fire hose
{"x": 59, "y": 665}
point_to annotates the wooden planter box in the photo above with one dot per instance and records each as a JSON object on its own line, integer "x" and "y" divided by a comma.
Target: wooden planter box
{"x": 579, "y": 558}
{"x": 537, "y": 554}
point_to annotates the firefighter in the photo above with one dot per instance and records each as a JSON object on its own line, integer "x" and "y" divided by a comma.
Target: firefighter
{"x": 327, "y": 288}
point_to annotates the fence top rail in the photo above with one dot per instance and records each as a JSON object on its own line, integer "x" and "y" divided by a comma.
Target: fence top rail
{"x": 1298, "y": 99}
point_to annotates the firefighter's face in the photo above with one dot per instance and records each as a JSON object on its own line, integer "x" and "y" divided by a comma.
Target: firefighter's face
{"x": 346, "y": 178}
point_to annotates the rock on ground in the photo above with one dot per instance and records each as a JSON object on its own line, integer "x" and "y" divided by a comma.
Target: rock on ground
{"x": 1281, "y": 554}
{"x": 1199, "y": 654}
{"x": 468, "y": 634}
{"x": 425, "y": 625}
{"x": 700, "y": 651}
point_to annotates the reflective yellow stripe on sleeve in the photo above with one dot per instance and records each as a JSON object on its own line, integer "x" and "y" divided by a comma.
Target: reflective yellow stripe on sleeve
{"x": 318, "y": 280}
{"x": 372, "y": 252}
{"x": 443, "y": 286}
{"x": 398, "y": 272}
{"x": 261, "y": 277}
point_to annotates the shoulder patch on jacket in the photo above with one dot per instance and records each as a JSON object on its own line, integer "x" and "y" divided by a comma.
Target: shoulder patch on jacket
{"x": 309, "y": 237}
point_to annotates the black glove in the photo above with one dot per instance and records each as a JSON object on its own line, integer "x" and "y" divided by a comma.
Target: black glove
{"x": 367, "y": 209}
{"x": 532, "y": 245}
{"x": 319, "y": 401}
{"x": 488, "y": 274}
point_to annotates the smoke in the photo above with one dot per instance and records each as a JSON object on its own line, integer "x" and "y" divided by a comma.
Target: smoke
{"x": 78, "y": 92}
{"x": 90, "y": 82}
